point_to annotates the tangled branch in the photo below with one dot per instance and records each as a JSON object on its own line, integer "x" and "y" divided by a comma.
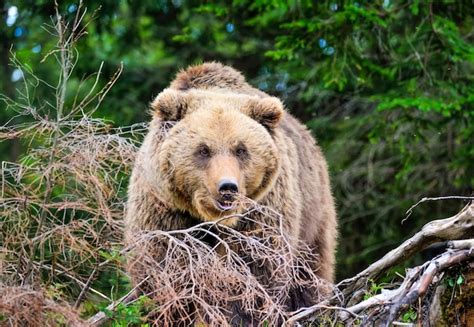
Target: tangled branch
{"x": 215, "y": 274}
{"x": 385, "y": 308}
{"x": 457, "y": 227}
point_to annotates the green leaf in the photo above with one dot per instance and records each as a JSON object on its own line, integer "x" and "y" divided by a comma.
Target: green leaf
{"x": 451, "y": 282}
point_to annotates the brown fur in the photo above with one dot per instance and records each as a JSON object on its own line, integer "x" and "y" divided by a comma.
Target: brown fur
{"x": 285, "y": 170}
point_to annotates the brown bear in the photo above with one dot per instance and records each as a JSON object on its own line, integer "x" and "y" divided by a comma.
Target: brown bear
{"x": 213, "y": 136}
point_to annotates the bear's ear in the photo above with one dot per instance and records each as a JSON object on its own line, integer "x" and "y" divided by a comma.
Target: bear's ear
{"x": 170, "y": 105}
{"x": 266, "y": 111}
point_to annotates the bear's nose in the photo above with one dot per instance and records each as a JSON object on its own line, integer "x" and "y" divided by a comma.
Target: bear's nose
{"x": 228, "y": 185}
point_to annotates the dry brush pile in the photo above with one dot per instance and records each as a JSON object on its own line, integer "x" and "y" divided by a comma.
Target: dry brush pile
{"x": 61, "y": 204}
{"x": 210, "y": 268}
{"x": 61, "y": 209}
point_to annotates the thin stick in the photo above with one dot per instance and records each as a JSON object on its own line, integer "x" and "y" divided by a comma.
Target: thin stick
{"x": 85, "y": 289}
{"x": 452, "y": 197}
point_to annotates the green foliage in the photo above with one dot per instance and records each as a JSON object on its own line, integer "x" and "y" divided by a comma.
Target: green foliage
{"x": 129, "y": 315}
{"x": 454, "y": 281}
{"x": 374, "y": 289}
{"x": 409, "y": 316}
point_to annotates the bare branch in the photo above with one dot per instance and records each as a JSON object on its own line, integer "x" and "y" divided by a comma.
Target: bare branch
{"x": 453, "y": 228}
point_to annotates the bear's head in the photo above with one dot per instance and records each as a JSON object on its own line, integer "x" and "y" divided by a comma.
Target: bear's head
{"x": 221, "y": 145}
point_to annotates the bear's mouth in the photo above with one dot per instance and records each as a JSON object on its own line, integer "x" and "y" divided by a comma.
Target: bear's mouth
{"x": 225, "y": 205}
{"x": 226, "y": 201}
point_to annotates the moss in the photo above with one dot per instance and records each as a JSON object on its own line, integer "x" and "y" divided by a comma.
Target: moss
{"x": 457, "y": 302}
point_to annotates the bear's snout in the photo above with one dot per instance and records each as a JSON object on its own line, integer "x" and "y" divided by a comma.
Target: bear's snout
{"x": 227, "y": 190}
{"x": 224, "y": 175}
{"x": 227, "y": 186}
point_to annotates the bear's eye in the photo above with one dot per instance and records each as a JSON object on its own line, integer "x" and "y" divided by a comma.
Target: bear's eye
{"x": 204, "y": 151}
{"x": 241, "y": 152}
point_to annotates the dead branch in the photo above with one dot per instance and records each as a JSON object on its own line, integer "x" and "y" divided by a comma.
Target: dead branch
{"x": 461, "y": 244}
{"x": 320, "y": 307}
{"x": 452, "y": 197}
{"x": 421, "y": 283}
{"x": 456, "y": 227}
{"x": 384, "y": 308}
{"x": 415, "y": 285}
{"x": 196, "y": 281}
{"x": 347, "y": 299}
